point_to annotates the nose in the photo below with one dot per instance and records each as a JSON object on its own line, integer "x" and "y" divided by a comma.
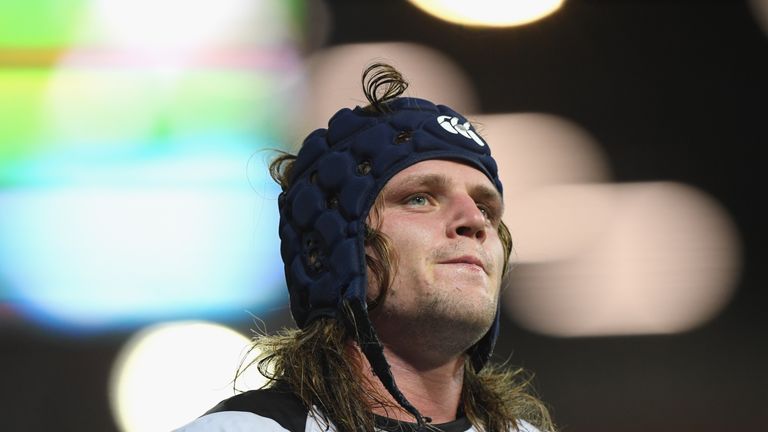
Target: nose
{"x": 466, "y": 219}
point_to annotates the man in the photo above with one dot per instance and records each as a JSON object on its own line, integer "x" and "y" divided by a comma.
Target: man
{"x": 394, "y": 252}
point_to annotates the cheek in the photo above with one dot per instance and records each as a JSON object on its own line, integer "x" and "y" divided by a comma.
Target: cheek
{"x": 409, "y": 242}
{"x": 406, "y": 237}
{"x": 496, "y": 250}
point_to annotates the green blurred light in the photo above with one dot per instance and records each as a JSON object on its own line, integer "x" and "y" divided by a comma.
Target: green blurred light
{"x": 85, "y": 113}
{"x": 21, "y": 99}
{"x": 39, "y": 23}
{"x": 120, "y": 109}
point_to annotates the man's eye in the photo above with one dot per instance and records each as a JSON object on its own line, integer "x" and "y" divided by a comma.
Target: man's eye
{"x": 487, "y": 212}
{"x": 418, "y": 200}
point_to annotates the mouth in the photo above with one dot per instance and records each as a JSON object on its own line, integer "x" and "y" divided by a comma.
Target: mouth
{"x": 468, "y": 260}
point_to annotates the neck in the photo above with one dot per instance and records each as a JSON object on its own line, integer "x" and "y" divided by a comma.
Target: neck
{"x": 434, "y": 388}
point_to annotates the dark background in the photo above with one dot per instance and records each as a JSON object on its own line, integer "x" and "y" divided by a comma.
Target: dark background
{"x": 673, "y": 90}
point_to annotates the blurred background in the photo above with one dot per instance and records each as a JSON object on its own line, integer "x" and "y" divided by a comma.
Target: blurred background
{"x": 138, "y": 240}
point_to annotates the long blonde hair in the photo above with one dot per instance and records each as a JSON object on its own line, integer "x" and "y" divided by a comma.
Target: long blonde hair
{"x": 315, "y": 363}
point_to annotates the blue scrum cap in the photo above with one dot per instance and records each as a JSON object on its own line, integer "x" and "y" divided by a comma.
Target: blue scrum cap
{"x": 334, "y": 181}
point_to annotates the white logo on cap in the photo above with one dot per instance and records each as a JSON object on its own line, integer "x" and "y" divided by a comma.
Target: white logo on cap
{"x": 451, "y": 124}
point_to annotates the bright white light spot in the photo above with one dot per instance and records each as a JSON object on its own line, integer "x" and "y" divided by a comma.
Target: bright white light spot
{"x": 183, "y": 25}
{"x": 489, "y": 13}
{"x": 167, "y": 375}
{"x": 650, "y": 258}
{"x": 333, "y": 79}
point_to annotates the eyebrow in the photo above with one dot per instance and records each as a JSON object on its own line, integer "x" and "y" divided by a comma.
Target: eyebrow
{"x": 425, "y": 180}
{"x": 487, "y": 194}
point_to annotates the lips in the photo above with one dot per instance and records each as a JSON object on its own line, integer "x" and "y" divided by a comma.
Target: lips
{"x": 466, "y": 259}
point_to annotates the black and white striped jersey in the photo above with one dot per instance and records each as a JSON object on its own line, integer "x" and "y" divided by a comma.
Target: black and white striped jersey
{"x": 279, "y": 410}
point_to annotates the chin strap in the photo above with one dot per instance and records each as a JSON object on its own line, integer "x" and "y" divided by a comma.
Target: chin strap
{"x": 360, "y": 324}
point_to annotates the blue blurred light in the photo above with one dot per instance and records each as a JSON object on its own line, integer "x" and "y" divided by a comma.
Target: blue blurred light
{"x": 96, "y": 254}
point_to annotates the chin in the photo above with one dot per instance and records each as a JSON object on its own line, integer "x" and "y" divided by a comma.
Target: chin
{"x": 467, "y": 320}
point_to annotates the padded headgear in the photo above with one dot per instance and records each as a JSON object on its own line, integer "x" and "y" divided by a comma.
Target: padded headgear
{"x": 334, "y": 181}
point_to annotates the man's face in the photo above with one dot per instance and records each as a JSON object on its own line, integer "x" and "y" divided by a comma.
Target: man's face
{"x": 442, "y": 219}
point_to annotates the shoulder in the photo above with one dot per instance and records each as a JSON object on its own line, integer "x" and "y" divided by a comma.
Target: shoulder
{"x": 268, "y": 410}
{"x": 233, "y": 421}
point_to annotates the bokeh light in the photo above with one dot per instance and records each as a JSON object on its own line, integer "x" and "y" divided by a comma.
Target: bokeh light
{"x": 195, "y": 25}
{"x": 759, "y": 10}
{"x": 489, "y": 13}
{"x": 534, "y": 150}
{"x": 20, "y": 25}
{"x": 593, "y": 257}
{"x": 89, "y": 257}
{"x": 166, "y": 375}
{"x": 125, "y": 186}
{"x": 540, "y": 149}
{"x": 659, "y": 258}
